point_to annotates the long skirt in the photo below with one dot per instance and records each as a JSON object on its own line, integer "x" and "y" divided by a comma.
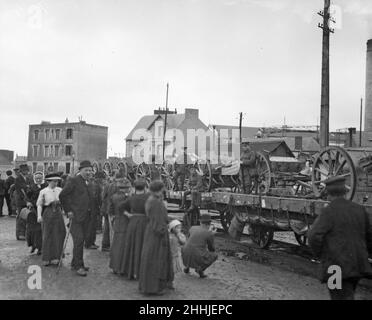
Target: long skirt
{"x": 199, "y": 259}
{"x": 133, "y": 246}
{"x": 54, "y": 232}
{"x": 117, "y": 247}
{"x": 156, "y": 271}
{"x": 33, "y": 231}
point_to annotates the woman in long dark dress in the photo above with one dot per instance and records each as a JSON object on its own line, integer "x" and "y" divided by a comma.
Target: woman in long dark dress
{"x": 33, "y": 228}
{"x": 49, "y": 213}
{"x": 156, "y": 270}
{"x": 134, "y": 208}
{"x": 120, "y": 222}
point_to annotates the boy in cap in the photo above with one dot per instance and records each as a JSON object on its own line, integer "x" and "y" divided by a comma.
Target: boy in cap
{"x": 342, "y": 236}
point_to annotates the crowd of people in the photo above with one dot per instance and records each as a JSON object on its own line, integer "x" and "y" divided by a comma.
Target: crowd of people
{"x": 144, "y": 244}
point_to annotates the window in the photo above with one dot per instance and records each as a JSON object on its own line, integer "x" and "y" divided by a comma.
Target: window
{"x": 56, "y": 151}
{"x": 45, "y": 166}
{"x": 35, "y": 151}
{"x": 160, "y": 132}
{"x": 51, "y": 151}
{"x": 46, "y": 151}
{"x": 47, "y": 134}
{"x": 58, "y": 133}
{"x": 68, "y": 167}
{"x": 34, "y": 167}
{"x": 36, "y": 135}
{"x": 68, "y": 150}
{"x": 55, "y": 165}
{"x": 69, "y": 133}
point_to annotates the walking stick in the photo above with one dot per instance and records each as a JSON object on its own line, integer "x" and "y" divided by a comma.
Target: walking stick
{"x": 111, "y": 230}
{"x": 64, "y": 245}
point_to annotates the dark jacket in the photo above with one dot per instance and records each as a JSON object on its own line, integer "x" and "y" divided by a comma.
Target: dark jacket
{"x": 22, "y": 188}
{"x": 342, "y": 236}
{"x": 33, "y": 194}
{"x": 77, "y": 197}
{"x": 2, "y": 187}
{"x": 9, "y": 182}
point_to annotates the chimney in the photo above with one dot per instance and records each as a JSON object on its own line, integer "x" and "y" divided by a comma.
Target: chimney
{"x": 368, "y": 102}
{"x": 191, "y": 113}
{"x": 298, "y": 143}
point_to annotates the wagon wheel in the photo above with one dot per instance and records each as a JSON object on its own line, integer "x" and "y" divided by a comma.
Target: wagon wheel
{"x": 262, "y": 235}
{"x": 261, "y": 180}
{"x": 143, "y": 171}
{"x": 166, "y": 172}
{"x": 226, "y": 216}
{"x": 123, "y": 168}
{"x": 207, "y": 174}
{"x": 332, "y": 162}
{"x": 301, "y": 239}
{"x": 107, "y": 168}
{"x": 95, "y": 168}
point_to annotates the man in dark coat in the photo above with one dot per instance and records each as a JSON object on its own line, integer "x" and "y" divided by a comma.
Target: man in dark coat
{"x": 341, "y": 236}
{"x": 2, "y": 194}
{"x": 22, "y": 184}
{"x": 96, "y": 205}
{"x": 8, "y": 183}
{"x": 77, "y": 201}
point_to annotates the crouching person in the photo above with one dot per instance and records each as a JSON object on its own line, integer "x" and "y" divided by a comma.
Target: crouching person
{"x": 199, "y": 252}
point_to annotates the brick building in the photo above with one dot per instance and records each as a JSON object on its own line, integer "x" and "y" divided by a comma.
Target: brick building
{"x": 62, "y": 146}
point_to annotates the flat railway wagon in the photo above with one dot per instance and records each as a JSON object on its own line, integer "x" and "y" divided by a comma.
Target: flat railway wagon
{"x": 272, "y": 209}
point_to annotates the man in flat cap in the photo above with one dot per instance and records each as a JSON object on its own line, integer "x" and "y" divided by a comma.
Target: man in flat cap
{"x": 341, "y": 237}
{"x": 77, "y": 201}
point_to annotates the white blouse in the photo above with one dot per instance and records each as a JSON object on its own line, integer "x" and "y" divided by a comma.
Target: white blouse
{"x": 47, "y": 196}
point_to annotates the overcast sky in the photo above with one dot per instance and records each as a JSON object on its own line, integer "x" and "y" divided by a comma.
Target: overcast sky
{"x": 109, "y": 61}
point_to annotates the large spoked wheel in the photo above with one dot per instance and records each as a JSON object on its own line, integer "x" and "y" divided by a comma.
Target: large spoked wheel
{"x": 205, "y": 168}
{"x": 260, "y": 176}
{"x": 107, "y": 168}
{"x": 123, "y": 169}
{"x": 262, "y": 236}
{"x": 226, "y": 217}
{"x": 144, "y": 172}
{"x": 301, "y": 239}
{"x": 95, "y": 168}
{"x": 333, "y": 162}
{"x": 166, "y": 172}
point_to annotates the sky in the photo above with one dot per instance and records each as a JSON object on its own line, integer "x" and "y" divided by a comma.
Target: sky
{"x": 109, "y": 61}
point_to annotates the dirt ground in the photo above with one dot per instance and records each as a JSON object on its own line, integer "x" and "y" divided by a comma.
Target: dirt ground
{"x": 249, "y": 275}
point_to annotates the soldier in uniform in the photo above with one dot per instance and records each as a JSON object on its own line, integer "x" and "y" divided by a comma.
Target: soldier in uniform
{"x": 342, "y": 236}
{"x": 247, "y": 168}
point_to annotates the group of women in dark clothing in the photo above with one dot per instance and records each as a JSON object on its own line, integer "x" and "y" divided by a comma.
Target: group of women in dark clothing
{"x": 142, "y": 248}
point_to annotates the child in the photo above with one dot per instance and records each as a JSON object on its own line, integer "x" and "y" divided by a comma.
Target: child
{"x": 177, "y": 239}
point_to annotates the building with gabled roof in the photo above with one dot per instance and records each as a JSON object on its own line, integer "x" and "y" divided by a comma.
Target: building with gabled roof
{"x": 152, "y": 127}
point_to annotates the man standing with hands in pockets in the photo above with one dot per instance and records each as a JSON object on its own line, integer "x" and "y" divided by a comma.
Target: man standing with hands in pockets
{"x": 76, "y": 200}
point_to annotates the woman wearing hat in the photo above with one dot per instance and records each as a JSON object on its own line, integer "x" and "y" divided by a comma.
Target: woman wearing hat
{"x": 120, "y": 223}
{"x": 134, "y": 208}
{"x": 49, "y": 213}
{"x": 199, "y": 252}
{"x": 33, "y": 228}
{"x": 156, "y": 270}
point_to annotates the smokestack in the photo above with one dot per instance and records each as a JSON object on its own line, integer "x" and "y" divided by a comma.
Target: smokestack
{"x": 368, "y": 102}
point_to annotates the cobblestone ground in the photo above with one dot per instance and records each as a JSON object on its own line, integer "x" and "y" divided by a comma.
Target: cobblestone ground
{"x": 229, "y": 278}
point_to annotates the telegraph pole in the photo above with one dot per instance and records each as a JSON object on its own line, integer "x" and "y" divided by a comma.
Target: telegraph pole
{"x": 324, "y": 104}
{"x": 165, "y": 121}
{"x": 240, "y": 127}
